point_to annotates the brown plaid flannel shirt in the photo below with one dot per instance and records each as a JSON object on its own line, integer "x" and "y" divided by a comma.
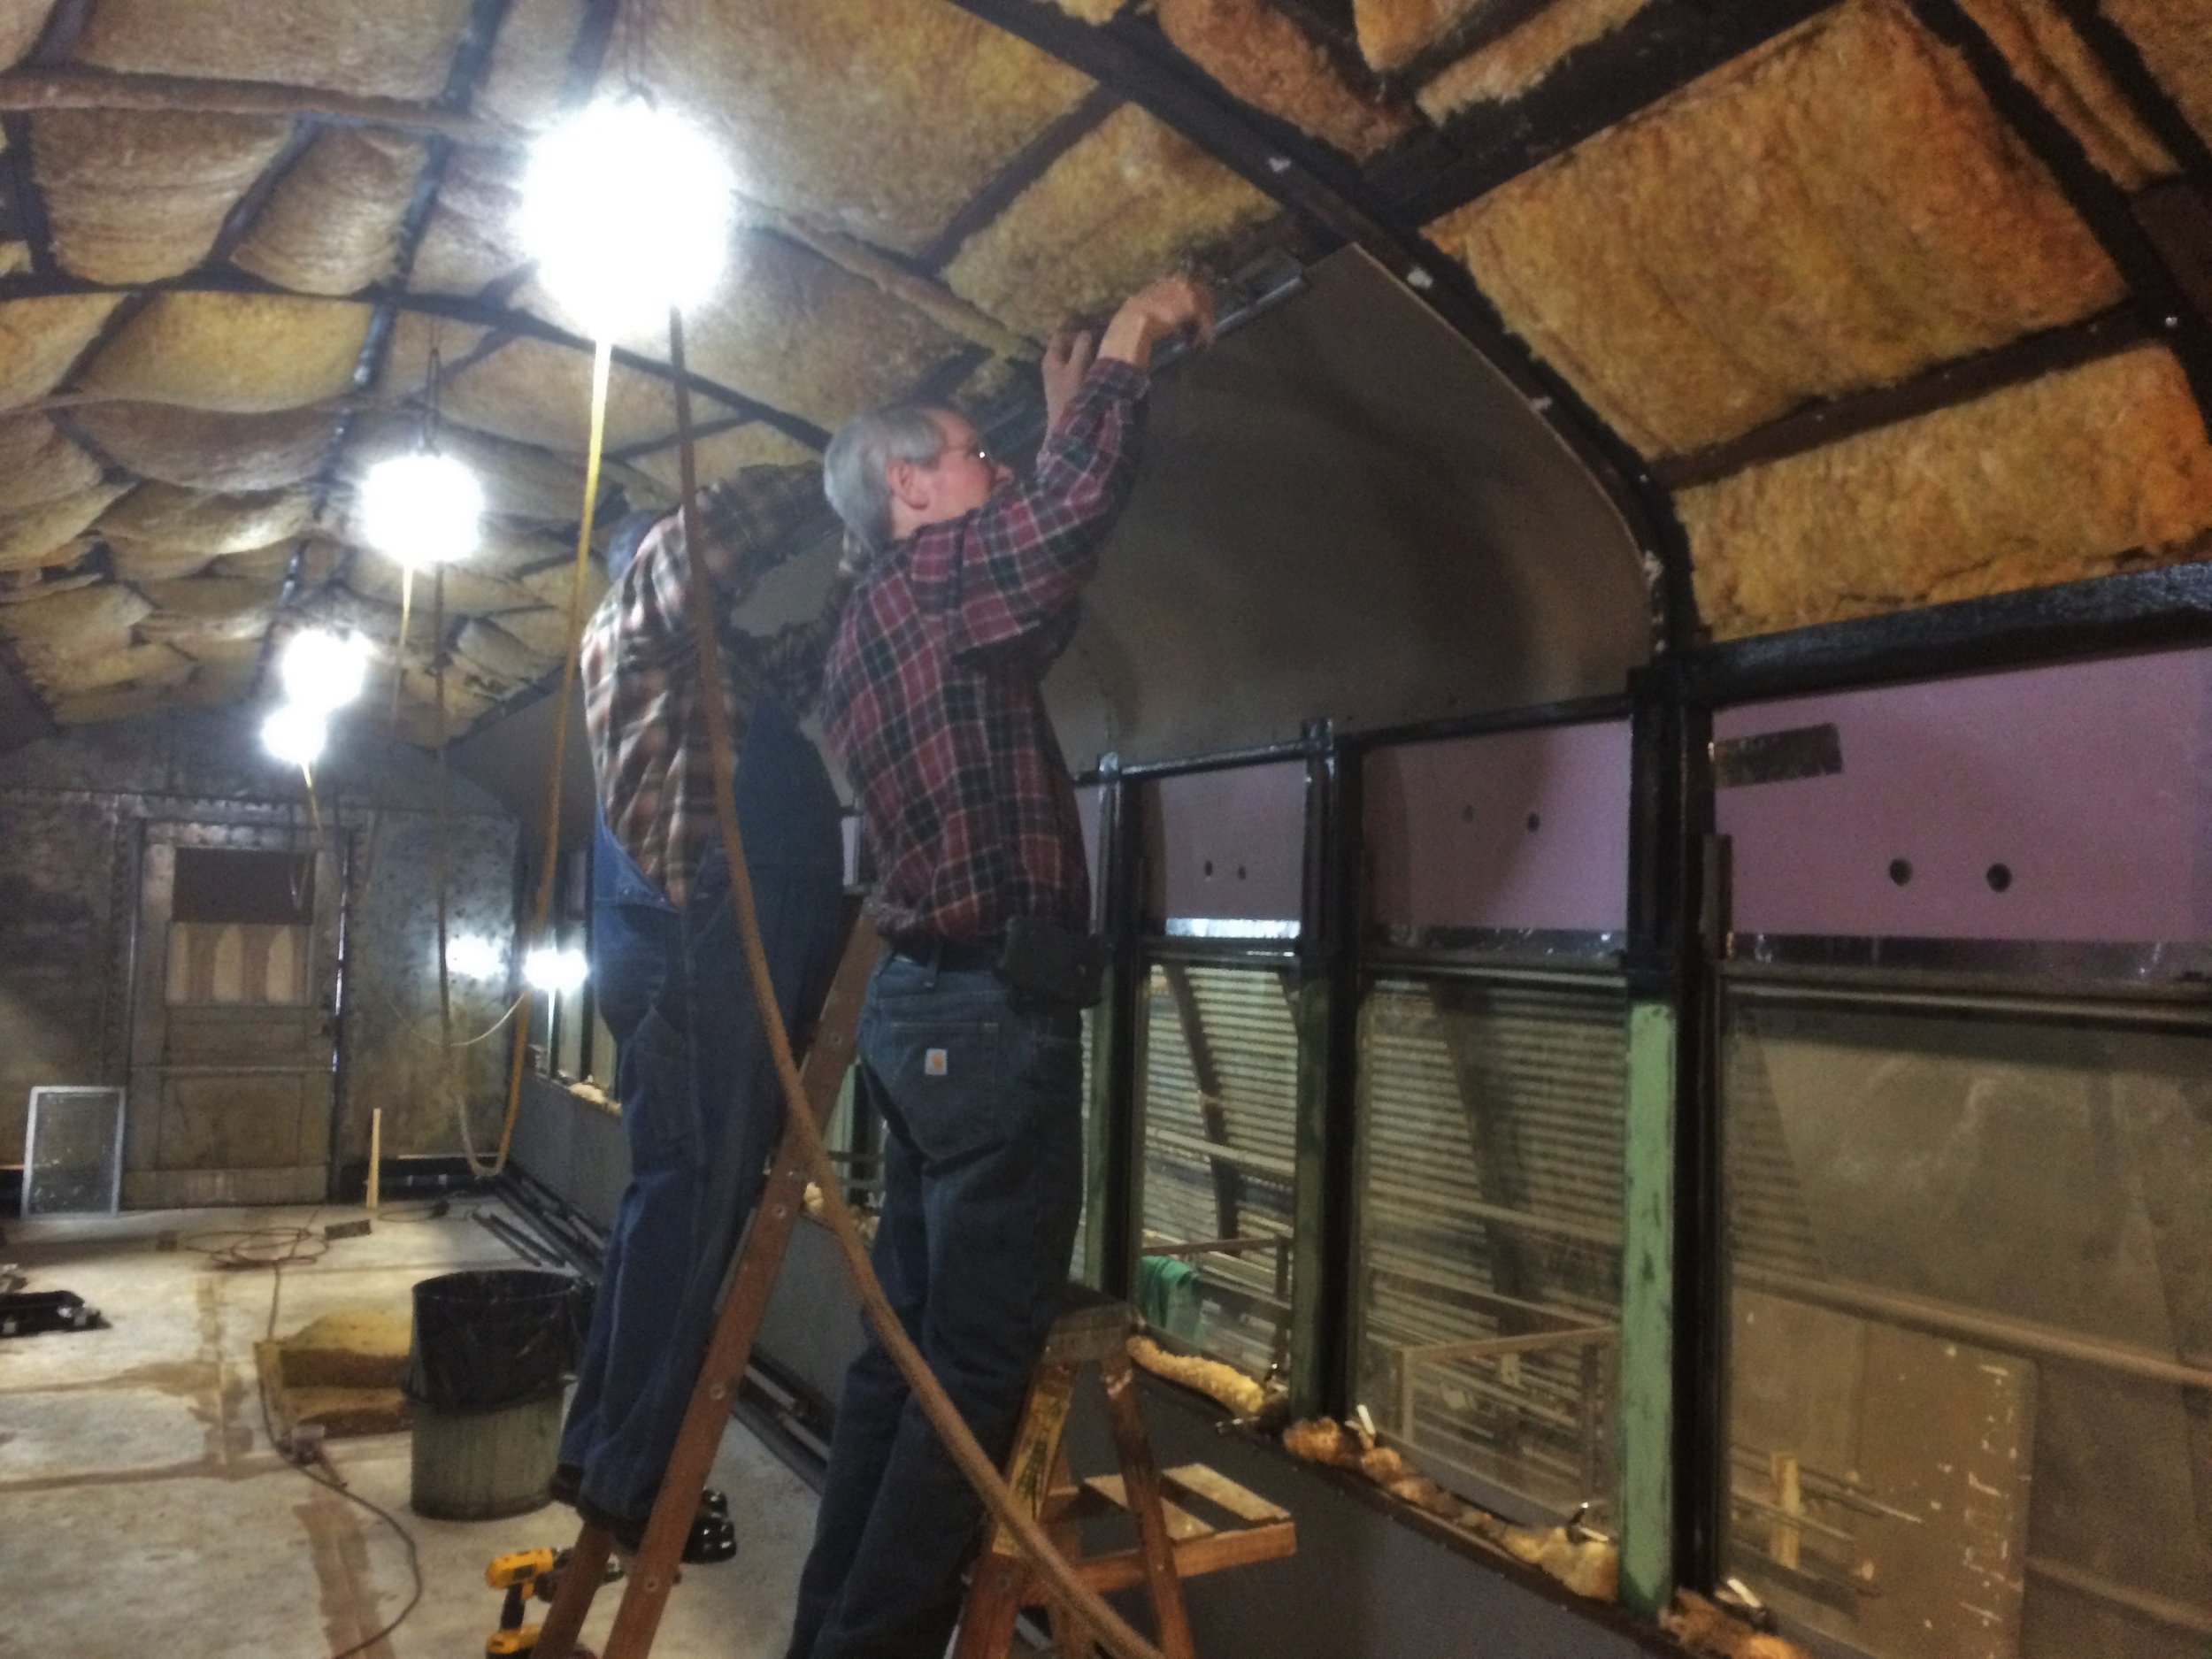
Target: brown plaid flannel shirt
{"x": 641, "y": 702}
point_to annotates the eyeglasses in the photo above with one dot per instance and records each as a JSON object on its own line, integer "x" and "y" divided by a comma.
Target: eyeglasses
{"x": 977, "y": 450}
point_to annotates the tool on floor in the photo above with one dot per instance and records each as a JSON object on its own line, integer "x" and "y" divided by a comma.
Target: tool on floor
{"x": 29, "y": 1312}
{"x": 525, "y": 1574}
{"x": 1173, "y": 1542}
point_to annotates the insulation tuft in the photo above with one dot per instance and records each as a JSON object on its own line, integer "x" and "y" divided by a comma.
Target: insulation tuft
{"x": 471, "y": 238}
{"x": 20, "y": 26}
{"x": 39, "y": 465}
{"x": 211, "y": 452}
{"x": 393, "y": 49}
{"x": 1268, "y": 61}
{"x": 41, "y": 339}
{"x": 133, "y": 196}
{"x": 535, "y": 392}
{"x": 2051, "y": 61}
{"x": 1392, "y": 32}
{"x": 248, "y": 353}
{"x": 165, "y": 517}
{"x": 2175, "y": 40}
{"x": 933, "y": 103}
{"x": 2100, "y": 468}
{"x": 47, "y": 533}
{"x": 1519, "y": 60}
{"x": 528, "y": 78}
{"x": 792, "y": 331}
{"x": 1130, "y": 201}
{"x": 333, "y": 226}
{"x": 1840, "y": 210}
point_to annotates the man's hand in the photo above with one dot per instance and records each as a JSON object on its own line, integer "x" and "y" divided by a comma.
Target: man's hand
{"x": 1171, "y": 306}
{"x": 1068, "y": 356}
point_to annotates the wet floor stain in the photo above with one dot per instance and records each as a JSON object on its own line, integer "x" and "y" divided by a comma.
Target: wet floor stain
{"x": 348, "y": 1602}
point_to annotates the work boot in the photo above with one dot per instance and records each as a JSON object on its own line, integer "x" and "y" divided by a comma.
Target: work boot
{"x": 568, "y": 1480}
{"x": 712, "y": 1538}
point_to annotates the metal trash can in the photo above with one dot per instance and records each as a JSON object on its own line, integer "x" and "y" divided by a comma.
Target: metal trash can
{"x": 487, "y": 1368}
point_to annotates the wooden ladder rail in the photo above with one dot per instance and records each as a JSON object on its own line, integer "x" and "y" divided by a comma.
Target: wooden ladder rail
{"x": 1095, "y": 1332}
{"x": 751, "y": 1279}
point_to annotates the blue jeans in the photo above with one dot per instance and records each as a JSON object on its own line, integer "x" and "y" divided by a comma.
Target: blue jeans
{"x": 983, "y": 1173}
{"x": 701, "y": 1106}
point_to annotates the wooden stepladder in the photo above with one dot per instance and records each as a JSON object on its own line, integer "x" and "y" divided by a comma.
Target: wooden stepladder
{"x": 752, "y": 1278}
{"x": 1173, "y": 1543}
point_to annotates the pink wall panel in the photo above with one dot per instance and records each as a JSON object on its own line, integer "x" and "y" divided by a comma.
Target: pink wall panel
{"x": 1228, "y": 845}
{"x": 2090, "y": 784}
{"x": 1090, "y": 801}
{"x": 1511, "y": 829}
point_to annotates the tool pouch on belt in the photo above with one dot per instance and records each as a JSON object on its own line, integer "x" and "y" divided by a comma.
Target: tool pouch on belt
{"x": 1054, "y": 964}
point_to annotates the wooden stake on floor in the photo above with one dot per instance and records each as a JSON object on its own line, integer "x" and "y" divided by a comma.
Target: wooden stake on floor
{"x": 376, "y": 1153}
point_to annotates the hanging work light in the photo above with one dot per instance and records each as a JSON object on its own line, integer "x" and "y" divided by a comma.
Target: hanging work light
{"x": 422, "y": 508}
{"x": 627, "y": 209}
{"x": 322, "y": 673}
{"x": 294, "y": 734}
{"x": 561, "y": 971}
{"x": 474, "y": 957}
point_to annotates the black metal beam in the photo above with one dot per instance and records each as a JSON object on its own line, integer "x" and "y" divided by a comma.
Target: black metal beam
{"x": 1654, "y": 55}
{"x": 26, "y": 203}
{"x": 2135, "y": 610}
{"x": 238, "y": 223}
{"x": 588, "y": 52}
{"x": 1961, "y": 380}
{"x": 1027, "y": 165}
{"x": 1131, "y": 57}
{"x": 58, "y": 41}
{"x": 2101, "y": 204}
{"x": 2121, "y": 58}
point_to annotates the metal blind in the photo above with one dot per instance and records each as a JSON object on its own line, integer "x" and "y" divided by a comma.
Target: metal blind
{"x": 1219, "y": 1155}
{"x": 1489, "y": 1217}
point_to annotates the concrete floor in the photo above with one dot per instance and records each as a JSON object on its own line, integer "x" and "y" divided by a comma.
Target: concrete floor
{"x": 146, "y": 1514}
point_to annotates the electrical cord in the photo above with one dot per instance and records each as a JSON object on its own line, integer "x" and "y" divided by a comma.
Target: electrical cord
{"x": 268, "y": 1432}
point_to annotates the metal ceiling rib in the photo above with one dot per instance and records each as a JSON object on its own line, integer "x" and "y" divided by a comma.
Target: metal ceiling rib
{"x": 1132, "y": 58}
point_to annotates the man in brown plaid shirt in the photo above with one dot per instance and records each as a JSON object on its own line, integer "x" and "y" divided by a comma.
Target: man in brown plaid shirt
{"x": 701, "y": 1108}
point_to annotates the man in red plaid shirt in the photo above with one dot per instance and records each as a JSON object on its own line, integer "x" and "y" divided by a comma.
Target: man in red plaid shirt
{"x": 970, "y": 1044}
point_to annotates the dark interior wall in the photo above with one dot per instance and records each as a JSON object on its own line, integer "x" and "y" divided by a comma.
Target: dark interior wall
{"x": 73, "y": 811}
{"x": 1344, "y": 510}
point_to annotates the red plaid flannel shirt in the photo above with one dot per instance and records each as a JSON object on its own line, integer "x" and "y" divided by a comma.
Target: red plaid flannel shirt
{"x": 931, "y": 698}
{"x": 641, "y": 703}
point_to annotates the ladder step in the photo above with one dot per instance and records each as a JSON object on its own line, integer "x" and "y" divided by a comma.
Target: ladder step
{"x": 1181, "y": 1524}
{"x": 1124, "y": 1570}
{"x": 1195, "y": 1481}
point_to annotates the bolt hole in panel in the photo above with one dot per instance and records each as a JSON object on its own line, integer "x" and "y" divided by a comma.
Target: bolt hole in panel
{"x": 1225, "y": 851}
{"x": 1506, "y": 832}
{"x": 2067, "y": 803}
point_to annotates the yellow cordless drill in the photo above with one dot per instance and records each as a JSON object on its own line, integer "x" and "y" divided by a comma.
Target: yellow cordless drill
{"x": 522, "y": 1574}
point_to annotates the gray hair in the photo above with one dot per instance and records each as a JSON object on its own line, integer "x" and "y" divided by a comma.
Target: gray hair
{"x": 863, "y": 451}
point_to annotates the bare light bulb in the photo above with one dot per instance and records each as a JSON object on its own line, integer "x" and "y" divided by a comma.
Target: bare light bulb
{"x": 294, "y": 734}
{"x": 474, "y": 957}
{"x": 422, "y": 509}
{"x": 561, "y": 971}
{"x": 627, "y": 209}
{"x": 322, "y": 671}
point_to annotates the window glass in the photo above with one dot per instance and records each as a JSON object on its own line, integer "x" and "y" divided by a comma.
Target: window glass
{"x": 1489, "y": 1282}
{"x": 1971, "y": 1286}
{"x": 1218, "y": 1074}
